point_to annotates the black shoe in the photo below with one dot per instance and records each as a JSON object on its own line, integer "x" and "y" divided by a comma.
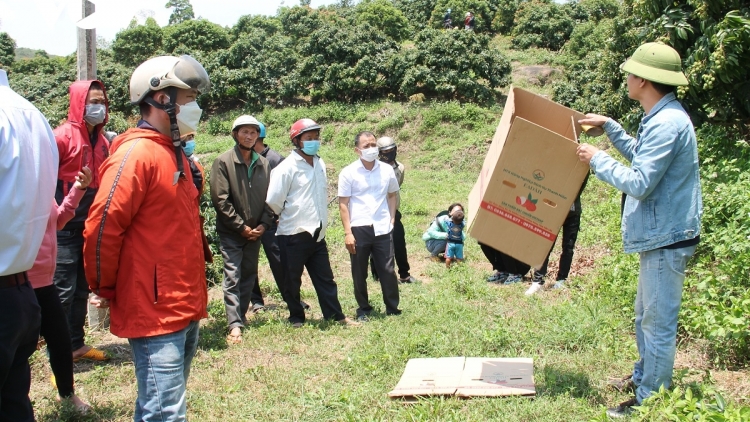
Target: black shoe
{"x": 305, "y": 306}
{"x": 258, "y": 307}
{"x": 623, "y": 410}
{"x": 363, "y": 318}
{"x": 623, "y": 385}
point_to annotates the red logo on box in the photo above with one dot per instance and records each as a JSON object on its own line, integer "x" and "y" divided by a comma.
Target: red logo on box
{"x": 520, "y": 221}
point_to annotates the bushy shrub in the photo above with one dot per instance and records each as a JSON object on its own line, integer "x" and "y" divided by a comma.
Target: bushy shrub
{"x": 137, "y": 43}
{"x": 7, "y": 50}
{"x": 345, "y": 63}
{"x": 194, "y": 35}
{"x": 453, "y": 64}
{"x": 384, "y": 16}
{"x": 541, "y": 23}
{"x": 717, "y": 303}
{"x": 417, "y": 12}
{"x": 505, "y": 12}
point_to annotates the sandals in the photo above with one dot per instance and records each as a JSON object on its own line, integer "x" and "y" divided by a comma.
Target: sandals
{"x": 234, "y": 338}
{"x": 93, "y": 354}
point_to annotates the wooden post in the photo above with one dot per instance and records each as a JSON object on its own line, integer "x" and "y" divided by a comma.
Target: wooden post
{"x": 86, "y": 46}
{"x": 98, "y": 318}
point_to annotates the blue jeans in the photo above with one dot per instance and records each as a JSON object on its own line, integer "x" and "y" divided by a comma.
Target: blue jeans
{"x": 162, "y": 367}
{"x": 436, "y": 246}
{"x": 657, "y": 304}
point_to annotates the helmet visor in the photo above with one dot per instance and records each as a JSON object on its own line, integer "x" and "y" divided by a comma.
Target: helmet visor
{"x": 192, "y": 73}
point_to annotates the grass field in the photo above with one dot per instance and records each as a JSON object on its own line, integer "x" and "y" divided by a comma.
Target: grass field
{"x": 577, "y": 336}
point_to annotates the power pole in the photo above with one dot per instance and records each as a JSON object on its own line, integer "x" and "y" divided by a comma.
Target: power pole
{"x": 87, "y": 46}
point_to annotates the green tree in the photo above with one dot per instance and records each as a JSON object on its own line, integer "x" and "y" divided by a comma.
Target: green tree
{"x": 182, "y": 11}
{"x": 505, "y": 12}
{"x": 137, "y": 43}
{"x": 383, "y": 15}
{"x": 7, "y": 50}
{"x": 417, "y": 12}
{"x": 541, "y": 23}
{"x": 453, "y": 65}
{"x": 350, "y": 65}
{"x": 195, "y": 35}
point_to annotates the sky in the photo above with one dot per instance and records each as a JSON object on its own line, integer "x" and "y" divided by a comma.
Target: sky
{"x": 50, "y": 25}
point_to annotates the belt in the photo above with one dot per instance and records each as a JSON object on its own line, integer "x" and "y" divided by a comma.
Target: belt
{"x": 13, "y": 280}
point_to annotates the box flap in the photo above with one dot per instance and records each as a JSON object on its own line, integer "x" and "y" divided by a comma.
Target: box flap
{"x": 547, "y": 113}
{"x": 429, "y": 376}
{"x": 497, "y": 377}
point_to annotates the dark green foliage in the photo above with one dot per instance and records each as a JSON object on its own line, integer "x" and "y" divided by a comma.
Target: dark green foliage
{"x": 194, "y": 35}
{"x": 454, "y": 64}
{"x": 250, "y": 23}
{"x": 7, "y": 50}
{"x": 417, "y": 12}
{"x": 593, "y": 10}
{"x": 45, "y": 82}
{"x": 345, "y": 63}
{"x": 137, "y": 43}
{"x": 182, "y": 11}
{"x": 541, "y": 23}
{"x": 505, "y": 13}
{"x": 384, "y": 16}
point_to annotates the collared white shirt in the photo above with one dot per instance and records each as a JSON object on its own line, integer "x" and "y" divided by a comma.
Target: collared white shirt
{"x": 28, "y": 174}
{"x": 298, "y": 194}
{"x": 368, "y": 191}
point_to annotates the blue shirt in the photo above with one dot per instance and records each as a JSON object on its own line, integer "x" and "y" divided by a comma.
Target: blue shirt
{"x": 28, "y": 175}
{"x": 662, "y": 183}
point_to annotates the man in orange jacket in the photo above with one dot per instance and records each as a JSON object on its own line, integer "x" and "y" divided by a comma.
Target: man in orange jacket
{"x": 143, "y": 253}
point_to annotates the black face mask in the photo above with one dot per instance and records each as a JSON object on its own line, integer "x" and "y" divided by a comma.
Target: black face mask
{"x": 388, "y": 157}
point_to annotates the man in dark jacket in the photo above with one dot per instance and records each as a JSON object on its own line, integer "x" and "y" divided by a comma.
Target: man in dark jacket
{"x": 239, "y": 183}
{"x": 81, "y": 142}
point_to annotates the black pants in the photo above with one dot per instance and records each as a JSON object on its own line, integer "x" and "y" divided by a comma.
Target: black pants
{"x": 399, "y": 249}
{"x": 502, "y": 262}
{"x": 20, "y": 318}
{"x": 381, "y": 250}
{"x": 570, "y": 229}
{"x": 273, "y": 255}
{"x": 298, "y": 252}
{"x": 71, "y": 283}
{"x": 54, "y": 329}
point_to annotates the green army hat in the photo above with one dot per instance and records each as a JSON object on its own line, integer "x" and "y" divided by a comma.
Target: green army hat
{"x": 656, "y": 62}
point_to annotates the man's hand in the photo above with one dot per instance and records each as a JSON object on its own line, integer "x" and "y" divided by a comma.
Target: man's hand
{"x": 83, "y": 178}
{"x": 586, "y": 152}
{"x": 247, "y": 233}
{"x": 257, "y": 232}
{"x": 594, "y": 120}
{"x": 350, "y": 243}
{"x": 99, "y": 302}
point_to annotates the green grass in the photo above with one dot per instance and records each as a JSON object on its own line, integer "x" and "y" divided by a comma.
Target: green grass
{"x": 577, "y": 336}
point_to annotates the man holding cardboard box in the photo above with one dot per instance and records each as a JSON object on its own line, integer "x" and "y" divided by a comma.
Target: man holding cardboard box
{"x": 661, "y": 208}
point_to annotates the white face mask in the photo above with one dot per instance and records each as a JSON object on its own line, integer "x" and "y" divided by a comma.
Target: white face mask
{"x": 188, "y": 117}
{"x": 370, "y": 154}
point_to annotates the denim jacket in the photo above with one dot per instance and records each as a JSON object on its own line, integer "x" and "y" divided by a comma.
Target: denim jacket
{"x": 662, "y": 184}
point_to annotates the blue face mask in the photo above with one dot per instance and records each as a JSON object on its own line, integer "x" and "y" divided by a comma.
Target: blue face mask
{"x": 189, "y": 147}
{"x": 310, "y": 147}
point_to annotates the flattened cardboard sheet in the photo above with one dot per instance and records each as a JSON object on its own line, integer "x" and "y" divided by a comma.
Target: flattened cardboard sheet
{"x": 429, "y": 377}
{"x": 486, "y": 377}
{"x": 466, "y": 377}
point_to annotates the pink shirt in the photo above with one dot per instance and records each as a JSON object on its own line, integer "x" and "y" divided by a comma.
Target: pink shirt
{"x": 40, "y": 275}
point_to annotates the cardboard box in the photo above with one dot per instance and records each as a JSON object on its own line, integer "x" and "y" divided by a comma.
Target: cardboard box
{"x": 466, "y": 377}
{"x": 530, "y": 178}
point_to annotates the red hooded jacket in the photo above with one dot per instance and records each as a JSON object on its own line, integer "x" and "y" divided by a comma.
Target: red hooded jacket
{"x": 72, "y": 138}
{"x": 142, "y": 242}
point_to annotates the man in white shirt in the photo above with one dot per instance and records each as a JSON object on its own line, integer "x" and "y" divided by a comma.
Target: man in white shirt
{"x": 368, "y": 195}
{"x": 28, "y": 169}
{"x": 297, "y": 193}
